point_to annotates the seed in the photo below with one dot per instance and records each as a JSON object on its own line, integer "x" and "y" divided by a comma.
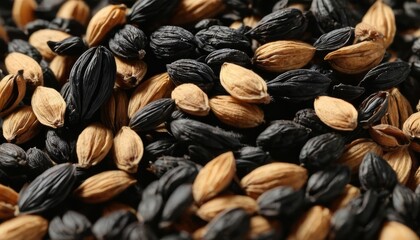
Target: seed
{"x": 77, "y": 10}
{"x": 213, "y": 207}
{"x": 314, "y": 224}
{"x": 127, "y": 150}
{"x": 336, "y": 113}
{"x": 23, "y": 12}
{"x": 29, "y": 227}
{"x": 21, "y": 125}
{"x": 48, "y": 106}
{"x": 93, "y": 144}
{"x": 12, "y": 91}
{"x": 32, "y": 71}
{"x": 191, "y": 99}
{"x": 40, "y": 38}
{"x": 189, "y": 11}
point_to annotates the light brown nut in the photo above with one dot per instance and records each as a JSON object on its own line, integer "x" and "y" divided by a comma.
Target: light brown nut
{"x": 260, "y": 226}
{"x": 356, "y": 58}
{"x": 103, "y": 22}
{"x": 76, "y": 10}
{"x": 154, "y": 88}
{"x": 243, "y": 84}
{"x": 40, "y": 38}
{"x": 367, "y": 32}
{"x": 114, "y": 111}
{"x": 49, "y": 106}
{"x": 382, "y": 18}
{"x": 313, "y": 225}
{"x": 61, "y": 67}
{"x": 355, "y": 152}
{"x": 394, "y": 230}
{"x": 93, "y": 144}
{"x": 24, "y": 227}
{"x": 236, "y": 113}
{"x": 12, "y": 91}
{"x": 21, "y": 125}
{"x": 23, "y": 12}
{"x": 336, "y": 113}
{"x": 127, "y": 150}
{"x": 189, "y": 11}
{"x": 400, "y": 160}
{"x": 129, "y": 72}
{"x": 281, "y": 56}
{"x": 104, "y": 186}
{"x": 214, "y": 177}
{"x": 191, "y": 99}
{"x": 213, "y": 207}
{"x": 32, "y": 71}
{"x": 273, "y": 175}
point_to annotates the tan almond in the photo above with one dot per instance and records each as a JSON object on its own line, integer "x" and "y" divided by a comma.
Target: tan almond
{"x": 389, "y": 137}
{"x": 114, "y": 112}
{"x": 355, "y": 152}
{"x": 400, "y": 161}
{"x": 394, "y": 230}
{"x": 129, "y": 72}
{"x": 40, "y": 38}
{"x": 273, "y": 175}
{"x": 213, "y": 207}
{"x": 32, "y": 71}
{"x": 23, "y": 12}
{"x": 21, "y": 125}
{"x": 243, "y": 84}
{"x": 336, "y": 113}
{"x": 103, "y": 22}
{"x": 24, "y": 227}
{"x": 49, "y": 106}
{"x": 12, "y": 91}
{"x": 127, "y": 150}
{"x": 190, "y": 11}
{"x": 191, "y": 99}
{"x": 93, "y": 144}
{"x": 75, "y": 10}
{"x": 157, "y": 87}
{"x": 104, "y": 186}
{"x": 382, "y": 17}
{"x": 282, "y": 56}
{"x": 356, "y": 58}
{"x": 236, "y": 113}
{"x": 313, "y": 225}
{"x": 214, "y": 177}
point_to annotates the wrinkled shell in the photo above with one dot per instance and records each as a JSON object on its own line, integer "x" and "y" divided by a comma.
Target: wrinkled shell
{"x": 213, "y": 207}
{"x": 400, "y": 161}
{"x": 28, "y": 227}
{"x": 32, "y": 71}
{"x": 74, "y": 9}
{"x": 313, "y": 225}
{"x": 40, "y": 38}
{"x": 21, "y": 125}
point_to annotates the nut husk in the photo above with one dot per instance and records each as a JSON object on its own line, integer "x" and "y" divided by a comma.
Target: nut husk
{"x": 12, "y": 91}
{"x": 129, "y": 72}
{"x": 76, "y": 10}
{"x": 40, "y": 38}
{"x": 313, "y": 225}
